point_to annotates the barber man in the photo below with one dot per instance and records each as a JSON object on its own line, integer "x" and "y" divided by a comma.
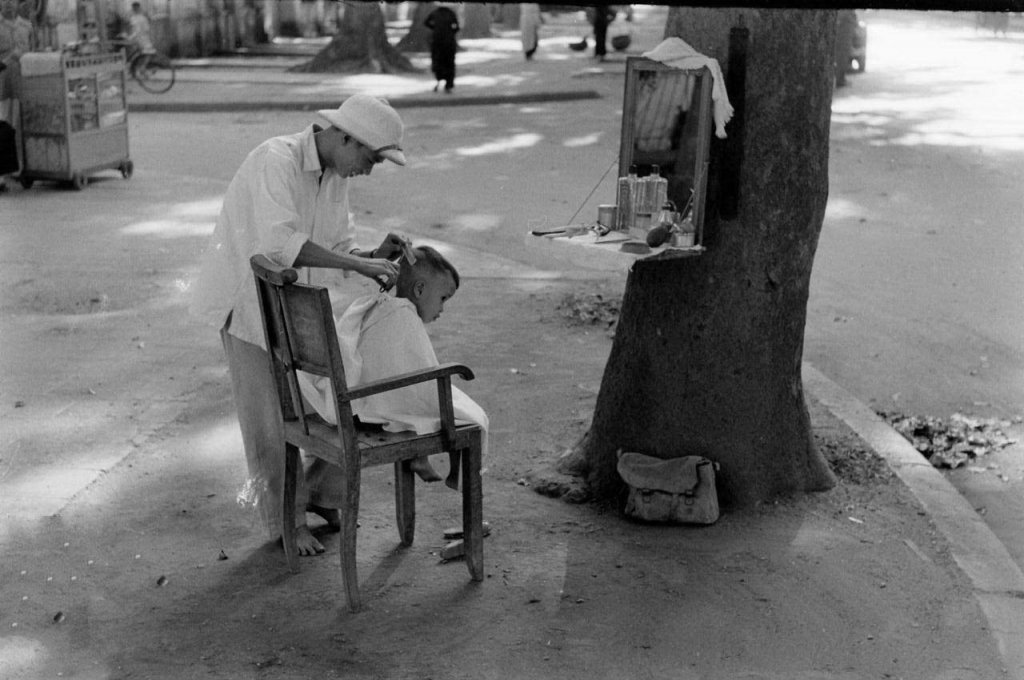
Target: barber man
{"x": 289, "y": 201}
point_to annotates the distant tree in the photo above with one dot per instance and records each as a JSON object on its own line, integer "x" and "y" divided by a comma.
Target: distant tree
{"x": 361, "y": 45}
{"x": 477, "y": 21}
{"x": 508, "y": 14}
{"x": 707, "y": 354}
{"x": 417, "y": 38}
{"x": 392, "y": 10}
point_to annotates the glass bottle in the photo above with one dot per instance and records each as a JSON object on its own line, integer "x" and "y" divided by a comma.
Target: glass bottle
{"x": 659, "y": 192}
{"x": 623, "y": 204}
{"x": 626, "y": 200}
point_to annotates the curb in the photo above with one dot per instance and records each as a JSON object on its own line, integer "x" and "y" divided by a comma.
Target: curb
{"x": 397, "y": 102}
{"x": 998, "y": 581}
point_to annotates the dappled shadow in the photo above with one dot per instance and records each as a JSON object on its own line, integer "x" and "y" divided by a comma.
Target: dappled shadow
{"x": 966, "y": 97}
{"x": 913, "y": 298}
{"x": 100, "y": 352}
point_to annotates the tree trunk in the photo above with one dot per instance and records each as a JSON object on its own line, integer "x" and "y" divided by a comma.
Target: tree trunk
{"x": 392, "y": 10}
{"x": 477, "y": 22}
{"x": 361, "y": 45}
{"x": 508, "y": 15}
{"x": 418, "y": 37}
{"x": 706, "y": 359}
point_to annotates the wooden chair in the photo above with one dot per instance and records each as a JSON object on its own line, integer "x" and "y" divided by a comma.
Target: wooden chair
{"x": 300, "y": 334}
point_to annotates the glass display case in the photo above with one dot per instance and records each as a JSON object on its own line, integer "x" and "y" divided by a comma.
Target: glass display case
{"x": 74, "y": 117}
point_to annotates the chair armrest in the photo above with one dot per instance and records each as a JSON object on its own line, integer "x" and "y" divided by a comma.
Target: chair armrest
{"x": 412, "y": 378}
{"x": 270, "y": 271}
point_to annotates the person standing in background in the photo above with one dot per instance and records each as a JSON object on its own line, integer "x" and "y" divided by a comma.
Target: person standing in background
{"x": 600, "y": 17}
{"x": 12, "y": 46}
{"x": 529, "y": 26}
{"x": 24, "y": 29}
{"x": 443, "y": 25}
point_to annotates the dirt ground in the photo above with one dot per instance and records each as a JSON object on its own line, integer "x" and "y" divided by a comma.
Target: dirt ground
{"x": 156, "y": 571}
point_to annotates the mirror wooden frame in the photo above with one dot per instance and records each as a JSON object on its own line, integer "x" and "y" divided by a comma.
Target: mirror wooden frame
{"x": 682, "y": 142}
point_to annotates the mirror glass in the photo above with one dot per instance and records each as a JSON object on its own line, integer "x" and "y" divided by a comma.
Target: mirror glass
{"x": 666, "y": 121}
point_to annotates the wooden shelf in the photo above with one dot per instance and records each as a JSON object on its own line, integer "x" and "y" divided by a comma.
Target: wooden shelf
{"x": 590, "y": 251}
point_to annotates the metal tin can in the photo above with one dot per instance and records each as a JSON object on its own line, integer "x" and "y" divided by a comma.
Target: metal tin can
{"x": 606, "y": 215}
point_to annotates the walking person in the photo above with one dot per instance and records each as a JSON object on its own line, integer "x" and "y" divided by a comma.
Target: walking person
{"x": 289, "y": 201}
{"x": 600, "y": 17}
{"x": 529, "y": 27}
{"x": 443, "y": 25}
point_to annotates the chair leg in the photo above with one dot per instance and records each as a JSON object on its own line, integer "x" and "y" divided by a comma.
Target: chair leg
{"x": 473, "y": 511}
{"x": 405, "y": 501}
{"x": 347, "y": 544}
{"x": 291, "y": 471}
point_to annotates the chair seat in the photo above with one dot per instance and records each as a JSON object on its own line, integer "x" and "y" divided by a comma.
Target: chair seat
{"x": 377, "y": 446}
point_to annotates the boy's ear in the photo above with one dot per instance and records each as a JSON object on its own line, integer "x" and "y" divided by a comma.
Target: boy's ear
{"x": 417, "y": 288}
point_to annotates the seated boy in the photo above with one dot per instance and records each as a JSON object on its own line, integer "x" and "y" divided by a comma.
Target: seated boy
{"x": 381, "y": 336}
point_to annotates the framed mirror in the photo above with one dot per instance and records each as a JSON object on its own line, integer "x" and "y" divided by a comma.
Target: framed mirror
{"x": 666, "y": 121}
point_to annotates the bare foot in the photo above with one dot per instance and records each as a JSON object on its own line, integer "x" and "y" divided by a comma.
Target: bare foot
{"x": 421, "y": 466}
{"x": 330, "y": 515}
{"x": 306, "y": 542}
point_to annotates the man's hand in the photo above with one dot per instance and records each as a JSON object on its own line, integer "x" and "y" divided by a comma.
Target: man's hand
{"x": 391, "y": 247}
{"x": 382, "y": 271}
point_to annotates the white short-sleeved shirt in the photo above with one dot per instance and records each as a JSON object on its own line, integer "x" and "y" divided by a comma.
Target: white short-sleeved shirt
{"x": 279, "y": 199}
{"x": 141, "y": 33}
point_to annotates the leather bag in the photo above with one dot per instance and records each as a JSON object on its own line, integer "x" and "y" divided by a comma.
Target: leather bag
{"x": 673, "y": 490}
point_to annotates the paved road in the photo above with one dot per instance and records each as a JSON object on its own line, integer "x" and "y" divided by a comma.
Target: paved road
{"x": 915, "y": 299}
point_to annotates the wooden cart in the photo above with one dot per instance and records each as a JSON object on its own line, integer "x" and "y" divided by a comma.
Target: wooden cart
{"x": 74, "y": 117}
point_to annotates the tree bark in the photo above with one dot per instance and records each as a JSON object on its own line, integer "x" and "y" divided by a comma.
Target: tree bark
{"x": 361, "y": 45}
{"x": 417, "y": 39}
{"x": 707, "y": 355}
{"x": 508, "y": 15}
{"x": 477, "y": 22}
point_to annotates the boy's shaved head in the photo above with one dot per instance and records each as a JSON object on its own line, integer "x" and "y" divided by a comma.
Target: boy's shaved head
{"x": 428, "y": 262}
{"x": 428, "y": 284}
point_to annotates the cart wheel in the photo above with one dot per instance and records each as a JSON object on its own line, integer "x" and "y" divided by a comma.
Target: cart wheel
{"x": 127, "y": 168}
{"x": 78, "y": 181}
{"x": 26, "y": 182}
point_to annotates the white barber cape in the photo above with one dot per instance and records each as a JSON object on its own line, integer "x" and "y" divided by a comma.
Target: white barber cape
{"x": 382, "y": 336}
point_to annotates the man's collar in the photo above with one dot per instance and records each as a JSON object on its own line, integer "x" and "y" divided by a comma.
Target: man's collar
{"x": 310, "y": 156}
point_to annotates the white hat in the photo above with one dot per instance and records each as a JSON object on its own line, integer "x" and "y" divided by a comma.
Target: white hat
{"x": 371, "y": 121}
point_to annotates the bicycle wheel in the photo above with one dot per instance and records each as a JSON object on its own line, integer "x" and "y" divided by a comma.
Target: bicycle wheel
{"x": 157, "y": 76}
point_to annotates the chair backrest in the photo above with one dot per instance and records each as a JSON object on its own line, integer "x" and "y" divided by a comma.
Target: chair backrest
{"x": 298, "y": 325}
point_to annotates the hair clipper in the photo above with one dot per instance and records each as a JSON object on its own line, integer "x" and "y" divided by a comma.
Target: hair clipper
{"x": 409, "y": 256}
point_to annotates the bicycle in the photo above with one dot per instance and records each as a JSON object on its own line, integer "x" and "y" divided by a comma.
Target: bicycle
{"x": 153, "y": 72}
